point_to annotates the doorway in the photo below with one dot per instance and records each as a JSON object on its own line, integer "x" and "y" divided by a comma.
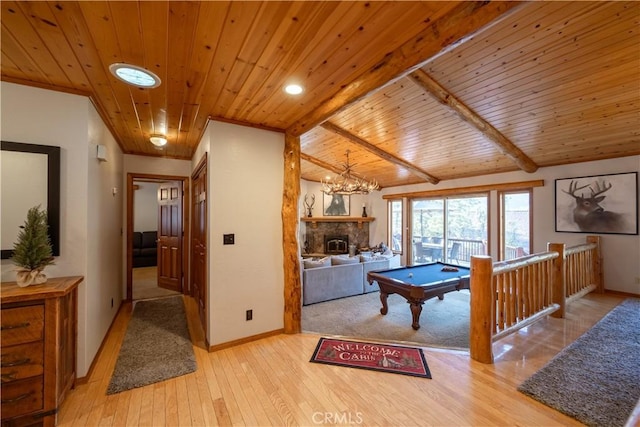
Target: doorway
{"x": 157, "y": 250}
{"x": 199, "y": 233}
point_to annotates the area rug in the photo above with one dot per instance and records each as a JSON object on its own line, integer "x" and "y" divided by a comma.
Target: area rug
{"x": 443, "y": 324}
{"x": 156, "y": 345}
{"x": 595, "y": 379}
{"x": 378, "y": 357}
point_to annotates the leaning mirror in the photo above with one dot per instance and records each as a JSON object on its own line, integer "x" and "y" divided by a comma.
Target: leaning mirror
{"x": 29, "y": 176}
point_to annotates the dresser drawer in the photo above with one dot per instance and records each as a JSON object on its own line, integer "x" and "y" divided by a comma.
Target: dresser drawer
{"x": 22, "y": 361}
{"x": 21, "y": 397}
{"x": 22, "y": 324}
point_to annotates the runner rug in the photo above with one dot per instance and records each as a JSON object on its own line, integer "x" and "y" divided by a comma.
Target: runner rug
{"x": 377, "y": 357}
{"x": 595, "y": 379}
{"x": 156, "y": 345}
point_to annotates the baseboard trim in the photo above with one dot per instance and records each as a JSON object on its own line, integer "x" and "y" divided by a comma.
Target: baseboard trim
{"x": 621, "y": 294}
{"x": 85, "y": 379}
{"x": 245, "y": 340}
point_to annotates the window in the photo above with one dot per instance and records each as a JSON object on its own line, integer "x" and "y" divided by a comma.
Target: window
{"x": 515, "y": 224}
{"x": 395, "y": 225}
{"x": 452, "y": 224}
{"x": 427, "y": 230}
{"x": 449, "y": 229}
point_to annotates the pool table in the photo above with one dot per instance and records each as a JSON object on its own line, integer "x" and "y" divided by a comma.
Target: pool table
{"x": 419, "y": 283}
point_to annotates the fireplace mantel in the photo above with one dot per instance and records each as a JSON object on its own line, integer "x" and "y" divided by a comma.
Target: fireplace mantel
{"x": 314, "y": 220}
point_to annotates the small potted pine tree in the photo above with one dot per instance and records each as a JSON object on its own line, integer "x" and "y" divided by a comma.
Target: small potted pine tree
{"x": 32, "y": 252}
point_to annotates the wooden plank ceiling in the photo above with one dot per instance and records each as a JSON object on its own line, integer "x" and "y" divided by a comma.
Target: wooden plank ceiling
{"x": 417, "y": 91}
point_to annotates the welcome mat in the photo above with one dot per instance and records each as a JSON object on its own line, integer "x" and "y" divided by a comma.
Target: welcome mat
{"x": 156, "y": 345}
{"x": 377, "y": 357}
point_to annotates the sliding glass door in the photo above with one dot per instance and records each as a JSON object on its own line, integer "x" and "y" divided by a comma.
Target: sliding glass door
{"x": 449, "y": 229}
{"x": 515, "y": 224}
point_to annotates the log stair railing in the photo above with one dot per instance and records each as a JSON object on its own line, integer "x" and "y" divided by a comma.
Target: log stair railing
{"x": 509, "y": 295}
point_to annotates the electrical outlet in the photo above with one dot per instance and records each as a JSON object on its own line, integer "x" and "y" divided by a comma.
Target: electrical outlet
{"x": 637, "y": 280}
{"x": 228, "y": 239}
{"x": 249, "y": 314}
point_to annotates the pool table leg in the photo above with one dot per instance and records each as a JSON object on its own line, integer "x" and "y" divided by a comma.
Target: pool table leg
{"x": 383, "y": 300}
{"x": 416, "y": 309}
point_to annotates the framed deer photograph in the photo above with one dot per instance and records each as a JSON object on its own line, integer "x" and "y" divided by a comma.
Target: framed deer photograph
{"x": 605, "y": 204}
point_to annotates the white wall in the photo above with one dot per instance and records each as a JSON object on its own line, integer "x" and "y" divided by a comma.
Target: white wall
{"x": 245, "y": 185}
{"x": 155, "y": 166}
{"x": 90, "y": 216}
{"x": 145, "y": 201}
{"x": 621, "y": 253}
{"x": 104, "y": 235}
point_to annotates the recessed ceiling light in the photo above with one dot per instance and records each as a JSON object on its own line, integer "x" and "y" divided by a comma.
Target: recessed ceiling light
{"x": 134, "y": 75}
{"x": 158, "y": 140}
{"x": 293, "y": 89}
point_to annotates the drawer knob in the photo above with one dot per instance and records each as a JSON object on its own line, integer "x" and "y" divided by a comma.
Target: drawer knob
{"x": 15, "y": 399}
{"x": 16, "y": 326}
{"x": 15, "y": 363}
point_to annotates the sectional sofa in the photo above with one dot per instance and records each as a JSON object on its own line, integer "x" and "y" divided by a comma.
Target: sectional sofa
{"x": 341, "y": 276}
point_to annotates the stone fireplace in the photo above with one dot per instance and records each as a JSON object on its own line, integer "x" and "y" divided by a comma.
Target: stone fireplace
{"x": 336, "y": 244}
{"x": 316, "y": 235}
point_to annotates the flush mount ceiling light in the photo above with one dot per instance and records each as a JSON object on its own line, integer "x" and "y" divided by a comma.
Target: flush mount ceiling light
{"x": 158, "y": 140}
{"x": 293, "y": 89}
{"x": 134, "y": 75}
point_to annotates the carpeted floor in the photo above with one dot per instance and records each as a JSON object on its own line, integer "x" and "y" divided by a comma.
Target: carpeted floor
{"x": 156, "y": 346}
{"x": 443, "y": 323}
{"x": 596, "y": 379}
{"x": 145, "y": 284}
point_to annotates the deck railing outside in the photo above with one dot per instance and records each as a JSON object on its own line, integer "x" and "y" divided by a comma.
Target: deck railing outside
{"x": 467, "y": 248}
{"x": 459, "y": 251}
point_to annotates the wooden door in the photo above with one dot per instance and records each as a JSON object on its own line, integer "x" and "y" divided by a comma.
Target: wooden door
{"x": 170, "y": 235}
{"x": 199, "y": 241}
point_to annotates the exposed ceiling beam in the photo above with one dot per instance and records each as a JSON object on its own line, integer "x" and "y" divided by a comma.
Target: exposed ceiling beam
{"x": 504, "y": 144}
{"x": 320, "y": 163}
{"x": 379, "y": 152}
{"x": 462, "y": 23}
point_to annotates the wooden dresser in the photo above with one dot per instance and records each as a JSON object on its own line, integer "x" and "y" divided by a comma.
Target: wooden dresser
{"x": 38, "y": 337}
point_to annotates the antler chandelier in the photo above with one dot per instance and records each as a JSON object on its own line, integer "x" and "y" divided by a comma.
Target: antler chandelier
{"x": 347, "y": 183}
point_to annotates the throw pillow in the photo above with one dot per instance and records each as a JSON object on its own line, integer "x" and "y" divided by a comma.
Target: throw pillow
{"x": 342, "y": 260}
{"x": 323, "y": 262}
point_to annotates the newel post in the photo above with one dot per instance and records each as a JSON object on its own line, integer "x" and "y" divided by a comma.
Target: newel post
{"x": 596, "y": 265}
{"x": 482, "y": 303}
{"x": 559, "y": 287}
{"x": 290, "y": 246}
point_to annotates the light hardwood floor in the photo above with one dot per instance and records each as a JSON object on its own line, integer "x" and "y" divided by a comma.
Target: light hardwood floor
{"x": 270, "y": 382}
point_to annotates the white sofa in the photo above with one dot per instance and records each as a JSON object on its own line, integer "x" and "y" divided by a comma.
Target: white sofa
{"x": 339, "y": 280}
